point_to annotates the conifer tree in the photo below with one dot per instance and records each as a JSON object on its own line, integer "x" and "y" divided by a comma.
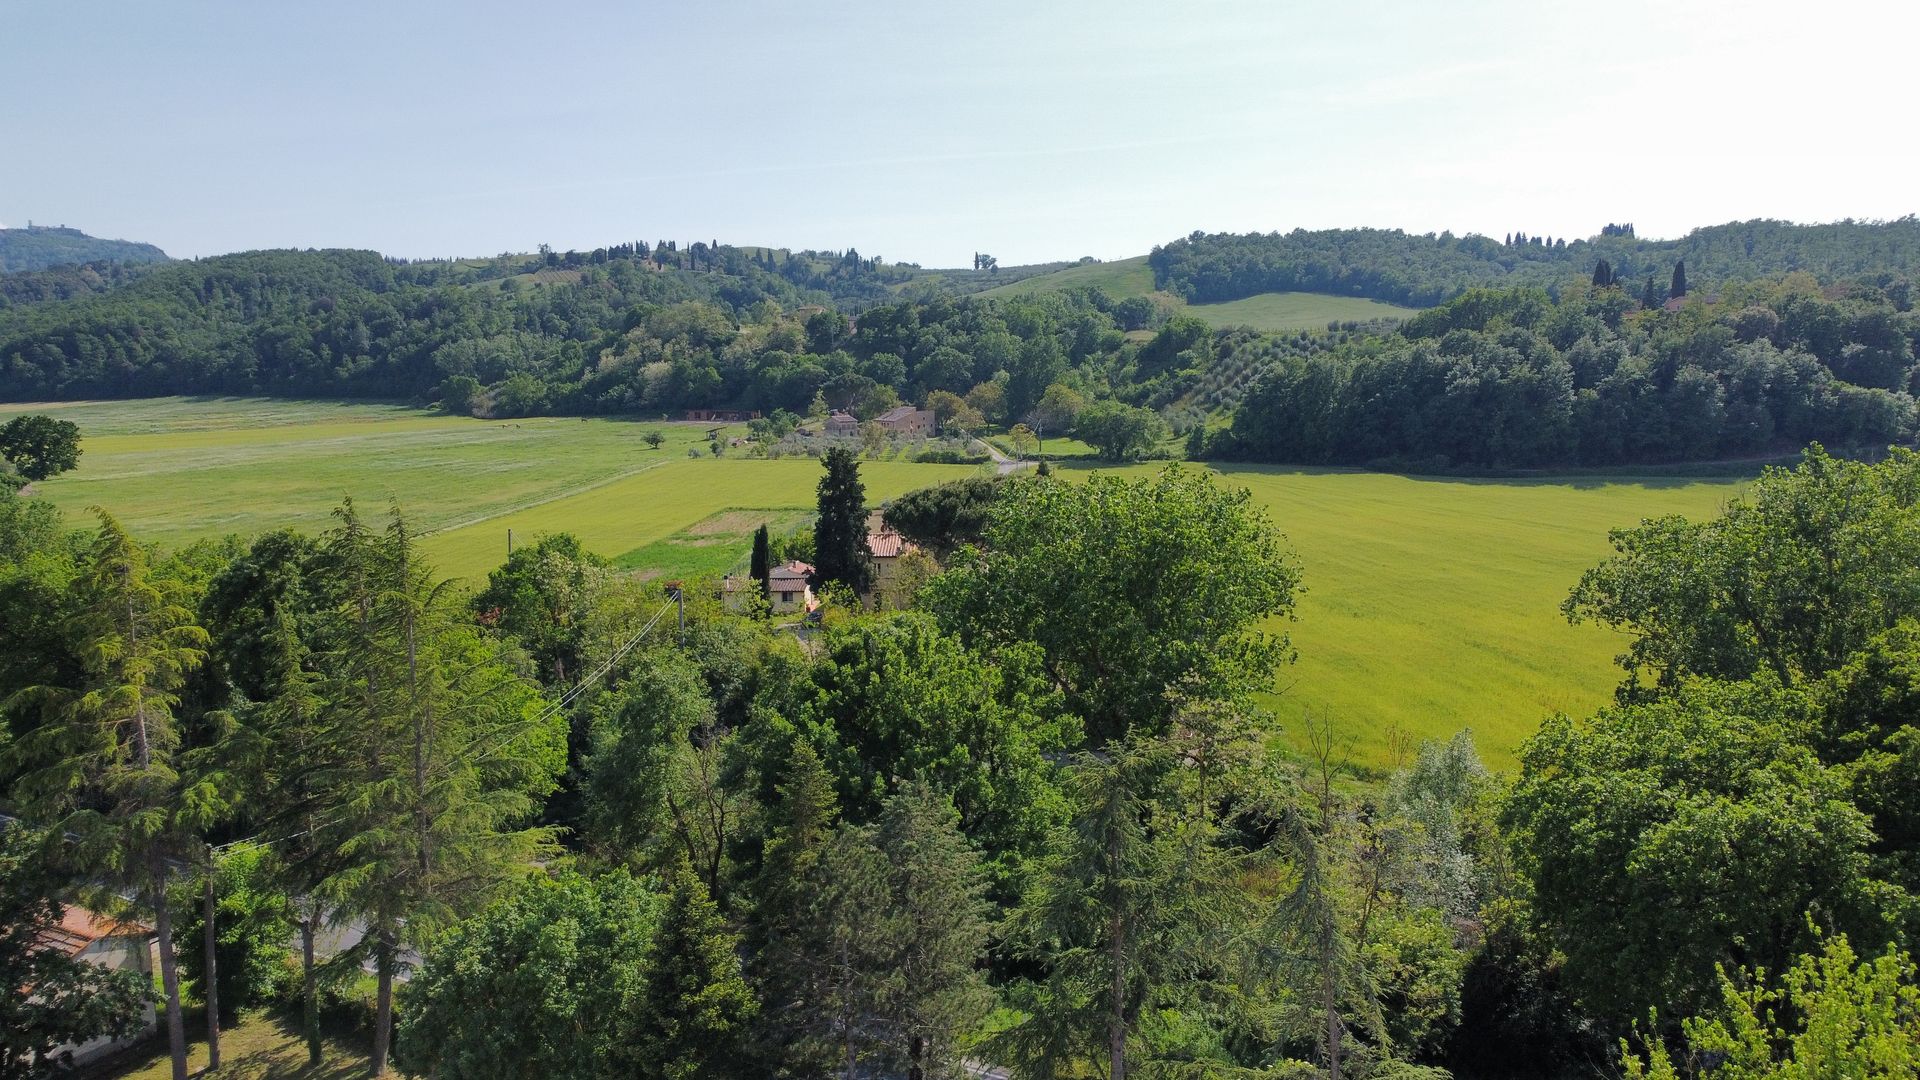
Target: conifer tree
{"x": 937, "y": 991}
{"x": 840, "y": 531}
{"x": 1649, "y": 299}
{"x": 105, "y": 766}
{"x": 1602, "y": 275}
{"x": 442, "y": 748}
{"x": 695, "y": 1010}
{"x": 761, "y": 567}
{"x": 1679, "y": 286}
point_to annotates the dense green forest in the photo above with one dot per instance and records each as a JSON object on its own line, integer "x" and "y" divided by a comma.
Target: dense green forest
{"x": 1403, "y": 268}
{"x": 1514, "y": 378}
{"x": 38, "y": 247}
{"x": 1031, "y": 818}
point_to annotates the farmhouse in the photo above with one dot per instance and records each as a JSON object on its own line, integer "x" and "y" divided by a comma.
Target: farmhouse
{"x": 885, "y": 548}
{"x": 110, "y": 943}
{"x": 905, "y": 421}
{"x": 787, "y": 588}
{"x": 840, "y": 422}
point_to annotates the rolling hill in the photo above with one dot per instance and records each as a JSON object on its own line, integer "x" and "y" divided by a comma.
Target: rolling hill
{"x": 38, "y": 247}
{"x": 1276, "y": 312}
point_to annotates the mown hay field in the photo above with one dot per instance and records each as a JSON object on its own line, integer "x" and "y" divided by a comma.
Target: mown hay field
{"x": 1432, "y": 604}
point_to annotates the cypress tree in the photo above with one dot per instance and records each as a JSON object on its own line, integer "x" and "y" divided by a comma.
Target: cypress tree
{"x": 840, "y": 532}
{"x": 1649, "y": 298}
{"x": 761, "y": 568}
{"x": 1679, "y": 286}
{"x": 1602, "y": 274}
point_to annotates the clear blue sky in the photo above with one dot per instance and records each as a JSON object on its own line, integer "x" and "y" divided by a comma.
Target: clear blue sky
{"x": 922, "y": 132}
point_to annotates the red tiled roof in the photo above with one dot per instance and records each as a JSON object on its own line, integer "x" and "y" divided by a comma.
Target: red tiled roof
{"x": 80, "y": 928}
{"x": 887, "y": 545}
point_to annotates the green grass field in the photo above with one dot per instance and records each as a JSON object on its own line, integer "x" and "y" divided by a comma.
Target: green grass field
{"x": 1295, "y": 311}
{"x": 1431, "y": 604}
{"x": 1283, "y": 311}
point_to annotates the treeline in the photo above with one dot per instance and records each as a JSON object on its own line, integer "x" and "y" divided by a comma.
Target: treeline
{"x": 1424, "y": 270}
{"x": 1036, "y": 821}
{"x": 1512, "y": 378}
{"x": 38, "y": 247}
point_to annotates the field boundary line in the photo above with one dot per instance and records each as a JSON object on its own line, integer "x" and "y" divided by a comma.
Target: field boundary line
{"x": 545, "y": 499}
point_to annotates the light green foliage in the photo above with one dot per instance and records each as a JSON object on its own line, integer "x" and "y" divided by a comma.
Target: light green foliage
{"x": 899, "y": 700}
{"x": 252, "y": 930}
{"x": 1668, "y": 837}
{"x": 1118, "y": 431}
{"x": 694, "y": 1012}
{"x": 540, "y": 596}
{"x": 1792, "y": 579}
{"x": 1129, "y": 587}
{"x": 543, "y": 982}
{"x": 1832, "y": 1014}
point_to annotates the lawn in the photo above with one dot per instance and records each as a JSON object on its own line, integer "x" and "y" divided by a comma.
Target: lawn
{"x": 263, "y": 1046}
{"x": 1431, "y": 604}
{"x": 1278, "y": 311}
{"x": 1282, "y": 311}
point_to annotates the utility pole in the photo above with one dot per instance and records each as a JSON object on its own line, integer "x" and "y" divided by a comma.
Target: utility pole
{"x": 509, "y": 543}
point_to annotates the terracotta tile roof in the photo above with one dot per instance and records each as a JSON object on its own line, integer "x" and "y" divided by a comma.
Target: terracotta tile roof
{"x": 794, "y": 569}
{"x": 80, "y": 928}
{"x": 888, "y": 545}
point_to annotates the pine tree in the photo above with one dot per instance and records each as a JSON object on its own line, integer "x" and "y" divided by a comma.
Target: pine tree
{"x": 937, "y": 991}
{"x": 1679, "y": 287}
{"x": 104, "y": 767}
{"x": 761, "y": 567}
{"x": 695, "y": 1010}
{"x": 442, "y": 746}
{"x": 840, "y": 531}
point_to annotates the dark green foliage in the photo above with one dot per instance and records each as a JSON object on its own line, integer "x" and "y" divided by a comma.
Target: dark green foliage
{"x": 1130, "y": 588}
{"x": 840, "y": 530}
{"x": 761, "y": 565}
{"x": 944, "y": 517}
{"x": 72, "y": 1000}
{"x": 635, "y": 748}
{"x": 39, "y": 247}
{"x": 40, "y": 446}
{"x": 545, "y": 982}
{"x": 692, "y": 1017}
{"x": 1402, "y": 268}
{"x": 1510, "y": 378}
{"x": 1678, "y": 288}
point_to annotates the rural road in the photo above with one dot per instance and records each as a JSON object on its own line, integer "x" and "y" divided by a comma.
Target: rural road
{"x": 1001, "y": 462}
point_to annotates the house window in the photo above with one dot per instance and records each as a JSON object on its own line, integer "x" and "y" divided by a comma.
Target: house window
{"x": 786, "y": 598}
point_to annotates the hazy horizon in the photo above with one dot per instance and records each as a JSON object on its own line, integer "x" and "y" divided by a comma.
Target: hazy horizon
{"x": 1034, "y": 134}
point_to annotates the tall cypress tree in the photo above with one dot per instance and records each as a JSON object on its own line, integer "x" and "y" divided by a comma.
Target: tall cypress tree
{"x": 1602, "y": 274}
{"x": 104, "y": 767}
{"x": 840, "y": 531}
{"x": 1650, "y": 298}
{"x": 761, "y": 568}
{"x": 1679, "y": 286}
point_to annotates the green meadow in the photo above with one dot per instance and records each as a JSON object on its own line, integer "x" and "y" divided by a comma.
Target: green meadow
{"x": 1276, "y": 312}
{"x": 1432, "y": 604}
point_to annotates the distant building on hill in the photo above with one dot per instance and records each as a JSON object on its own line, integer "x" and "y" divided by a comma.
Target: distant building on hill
{"x": 721, "y": 416}
{"x": 841, "y": 422}
{"x": 885, "y": 548}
